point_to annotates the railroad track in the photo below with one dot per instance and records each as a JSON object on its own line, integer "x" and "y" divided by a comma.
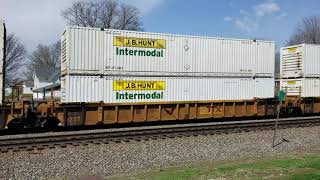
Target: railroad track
{"x": 64, "y": 139}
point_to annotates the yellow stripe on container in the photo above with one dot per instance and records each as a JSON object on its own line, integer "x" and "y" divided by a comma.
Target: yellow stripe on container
{"x": 293, "y": 49}
{"x": 139, "y": 42}
{"x": 292, "y": 82}
{"x": 138, "y": 85}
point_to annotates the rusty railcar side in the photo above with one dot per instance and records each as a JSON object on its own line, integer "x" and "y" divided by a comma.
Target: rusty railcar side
{"x": 51, "y": 113}
{"x": 99, "y": 113}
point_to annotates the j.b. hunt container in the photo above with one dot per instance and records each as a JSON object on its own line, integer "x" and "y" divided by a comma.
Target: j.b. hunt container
{"x": 304, "y": 87}
{"x": 300, "y": 61}
{"x": 96, "y": 51}
{"x": 120, "y": 89}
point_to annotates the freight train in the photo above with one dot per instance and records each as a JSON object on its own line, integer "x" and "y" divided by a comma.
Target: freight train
{"x": 124, "y": 77}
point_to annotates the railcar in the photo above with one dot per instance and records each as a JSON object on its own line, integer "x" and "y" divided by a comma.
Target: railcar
{"x": 91, "y": 84}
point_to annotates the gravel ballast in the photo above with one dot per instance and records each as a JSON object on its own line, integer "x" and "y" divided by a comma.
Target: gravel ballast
{"x": 109, "y": 159}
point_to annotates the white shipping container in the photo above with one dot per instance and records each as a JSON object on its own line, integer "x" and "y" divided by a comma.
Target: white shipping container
{"x": 119, "y": 89}
{"x": 117, "y": 52}
{"x": 300, "y": 61}
{"x": 306, "y": 87}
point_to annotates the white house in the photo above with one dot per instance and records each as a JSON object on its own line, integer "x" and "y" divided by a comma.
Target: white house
{"x": 46, "y": 83}
{"x": 27, "y": 87}
{"x": 8, "y": 91}
{"x": 19, "y": 91}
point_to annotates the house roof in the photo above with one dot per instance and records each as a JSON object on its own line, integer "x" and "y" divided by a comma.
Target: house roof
{"x": 48, "y": 74}
{"x": 29, "y": 83}
{"x": 53, "y": 86}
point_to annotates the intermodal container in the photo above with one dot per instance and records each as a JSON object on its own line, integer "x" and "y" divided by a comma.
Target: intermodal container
{"x": 123, "y": 89}
{"x": 300, "y": 61}
{"x": 304, "y": 87}
{"x": 93, "y": 51}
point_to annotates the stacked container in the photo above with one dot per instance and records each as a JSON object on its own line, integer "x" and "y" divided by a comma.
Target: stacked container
{"x": 2, "y": 59}
{"x": 300, "y": 70}
{"x": 127, "y": 66}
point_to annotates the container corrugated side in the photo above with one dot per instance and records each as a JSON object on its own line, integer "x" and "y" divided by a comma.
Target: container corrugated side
{"x": 312, "y": 60}
{"x": 306, "y": 87}
{"x": 300, "y": 61}
{"x": 119, "y": 89}
{"x": 93, "y": 51}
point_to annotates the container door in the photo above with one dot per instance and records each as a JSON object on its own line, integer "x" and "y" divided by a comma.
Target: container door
{"x": 292, "y": 87}
{"x": 291, "y": 62}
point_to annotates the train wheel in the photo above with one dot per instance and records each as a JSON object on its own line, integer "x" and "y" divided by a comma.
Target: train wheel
{"x": 16, "y": 125}
{"x": 294, "y": 111}
{"x": 51, "y": 123}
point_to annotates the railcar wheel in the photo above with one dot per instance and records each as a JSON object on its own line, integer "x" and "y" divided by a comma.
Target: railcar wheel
{"x": 294, "y": 111}
{"x": 51, "y": 123}
{"x": 16, "y": 125}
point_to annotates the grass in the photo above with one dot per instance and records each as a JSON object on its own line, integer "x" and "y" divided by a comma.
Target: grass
{"x": 293, "y": 167}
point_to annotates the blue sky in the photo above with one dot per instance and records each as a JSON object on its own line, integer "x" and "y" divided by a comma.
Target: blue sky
{"x": 262, "y": 19}
{"x": 39, "y": 21}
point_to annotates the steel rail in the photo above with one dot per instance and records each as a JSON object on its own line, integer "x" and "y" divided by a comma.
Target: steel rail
{"x": 43, "y": 141}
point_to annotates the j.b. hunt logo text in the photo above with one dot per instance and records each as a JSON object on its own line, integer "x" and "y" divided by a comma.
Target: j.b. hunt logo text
{"x": 136, "y": 52}
{"x": 127, "y": 95}
{"x": 157, "y": 44}
{"x": 123, "y": 85}
{"x": 139, "y": 42}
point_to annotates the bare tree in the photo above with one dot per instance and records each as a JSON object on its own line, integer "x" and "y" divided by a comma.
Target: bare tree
{"x": 308, "y": 31}
{"x": 15, "y": 58}
{"x": 108, "y": 14}
{"x": 45, "y": 58}
{"x": 127, "y": 18}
